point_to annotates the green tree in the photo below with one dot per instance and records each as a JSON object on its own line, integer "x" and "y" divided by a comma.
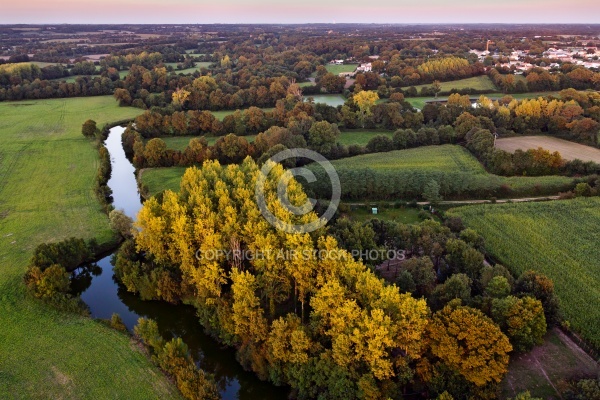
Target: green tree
{"x": 155, "y": 152}
{"x": 423, "y": 274}
{"x": 539, "y": 286}
{"x": 521, "y": 319}
{"x": 89, "y": 128}
{"x": 458, "y": 286}
{"x": 431, "y": 192}
{"x": 380, "y": 143}
{"x": 322, "y": 136}
{"x": 116, "y": 322}
{"x": 498, "y": 287}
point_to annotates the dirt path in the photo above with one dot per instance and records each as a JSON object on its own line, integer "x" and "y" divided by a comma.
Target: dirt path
{"x": 483, "y": 201}
{"x": 543, "y": 368}
{"x": 499, "y": 201}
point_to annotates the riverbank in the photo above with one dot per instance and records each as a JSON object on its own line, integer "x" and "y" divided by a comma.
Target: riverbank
{"x": 105, "y": 297}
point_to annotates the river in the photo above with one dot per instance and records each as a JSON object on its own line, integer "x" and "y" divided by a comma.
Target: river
{"x": 105, "y": 296}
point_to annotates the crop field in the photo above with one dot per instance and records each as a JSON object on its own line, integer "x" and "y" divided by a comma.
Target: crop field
{"x": 47, "y": 172}
{"x": 559, "y": 239}
{"x": 476, "y": 82}
{"x": 568, "y": 150}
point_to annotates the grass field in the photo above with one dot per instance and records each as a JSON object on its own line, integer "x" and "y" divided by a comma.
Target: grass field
{"x": 346, "y": 138}
{"x": 47, "y": 172}
{"x": 476, "y": 82}
{"x": 568, "y": 150}
{"x": 338, "y": 69}
{"x": 402, "y": 215}
{"x": 198, "y": 66}
{"x": 181, "y": 142}
{"x": 220, "y": 115}
{"x": 158, "y": 179}
{"x": 333, "y": 100}
{"x": 419, "y": 102}
{"x": 546, "y": 367}
{"x": 360, "y": 137}
{"x": 559, "y": 239}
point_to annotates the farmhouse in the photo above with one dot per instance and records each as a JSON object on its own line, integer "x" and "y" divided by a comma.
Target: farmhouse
{"x": 364, "y": 68}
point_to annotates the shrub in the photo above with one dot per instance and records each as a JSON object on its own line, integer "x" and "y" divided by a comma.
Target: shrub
{"x": 47, "y": 284}
{"x": 69, "y": 254}
{"x": 121, "y": 223}
{"x": 116, "y": 322}
{"x": 89, "y": 128}
{"x": 174, "y": 358}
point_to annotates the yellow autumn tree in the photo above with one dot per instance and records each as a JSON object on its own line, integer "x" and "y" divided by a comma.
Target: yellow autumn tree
{"x": 469, "y": 343}
{"x": 180, "y": 96}
{"x": 365, "y": 100}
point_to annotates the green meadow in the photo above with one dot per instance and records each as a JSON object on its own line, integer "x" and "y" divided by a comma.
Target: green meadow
{"x": 476, "y": 82}
{"x": 47, "y": 172}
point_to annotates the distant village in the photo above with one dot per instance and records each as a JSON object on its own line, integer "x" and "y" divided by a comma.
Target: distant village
{"x": 587, "y": 56}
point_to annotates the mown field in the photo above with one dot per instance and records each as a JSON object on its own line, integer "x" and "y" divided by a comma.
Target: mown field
{"x": 559, "y": 239}
{"x": 568, "y": 150}
{"x": 403, "y": 174}
{"x": 419, "y": 102}
{"x": 402, "y": 215}
{"x": 347, "y": 138}
{"x": 181, "y": 142}
{"x": 360, "y": 137}
{"x": 476, "y": 82}
{"x": 220, "y": 115}
{"x": 47, "y": 171}
{"x": 338, "y": 69}
{"x": 199, "y": 65}
{"x": 155, "y": 180}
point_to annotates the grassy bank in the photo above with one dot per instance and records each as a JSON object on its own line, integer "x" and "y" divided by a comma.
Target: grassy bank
{"x": 47, "y": 172}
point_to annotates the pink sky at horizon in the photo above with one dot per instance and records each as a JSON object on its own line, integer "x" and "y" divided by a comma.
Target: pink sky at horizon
{"x": 271, "y": 11}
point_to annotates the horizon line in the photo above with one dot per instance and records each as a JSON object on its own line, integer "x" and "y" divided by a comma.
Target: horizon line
{"x": 306, "y": 23}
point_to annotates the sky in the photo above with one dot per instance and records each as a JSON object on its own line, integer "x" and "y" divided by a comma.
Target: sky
{"x": 305, "y": 11}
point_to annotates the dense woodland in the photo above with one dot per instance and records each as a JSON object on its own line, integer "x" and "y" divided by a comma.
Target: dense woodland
{"x": 326, "y": 324}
